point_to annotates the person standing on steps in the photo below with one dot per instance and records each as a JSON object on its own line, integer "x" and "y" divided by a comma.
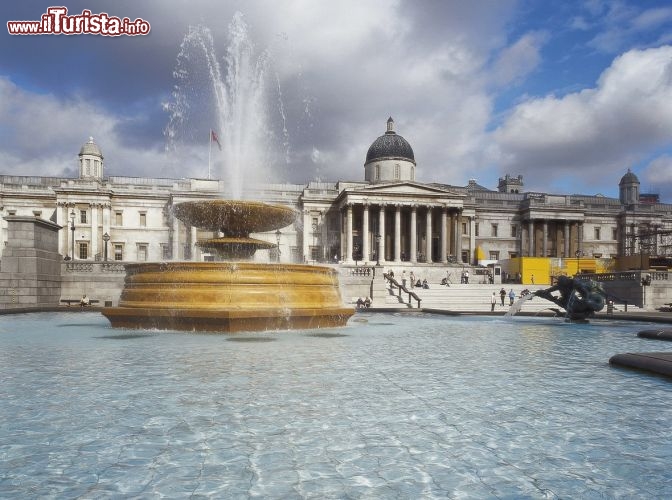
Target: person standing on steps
{"x": 403, "y": 278}
{"x": 493, "y": 302}
{"x": 532, "y": 279}
{"x": 512, "y": 296}
{"x": 502, "y": 295}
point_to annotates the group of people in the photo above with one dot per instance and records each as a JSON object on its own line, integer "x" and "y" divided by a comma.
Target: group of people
{"x": 363, "y": 302}
{"x": 502, "y": 298}
{"x": 414, "y": 281}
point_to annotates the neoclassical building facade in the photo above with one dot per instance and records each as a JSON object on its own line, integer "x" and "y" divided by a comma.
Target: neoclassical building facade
{"x": 388, "y": 217}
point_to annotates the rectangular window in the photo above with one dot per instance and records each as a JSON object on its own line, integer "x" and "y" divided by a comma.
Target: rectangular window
{"x": 314, "y": 224}
{"x": 614, "y": 233}
{"x": 315, "y": 253}
{"x": 294, "y": 254}
{"x": 142, "y": 252}
{"x": 513, "y": 255}
{"x": 165, "y": 252}
{"x": 494, "y": 230}
{"x": 464, "y": 228}
{"x": 514, "y": 231}
{"x": 83, "y": 251}
{"x": 597, "y": 233}
{"x": 118, "y": 251}
{"x": 494, "y": 255}
{"x": 143, "y": 219}
{"x": 82, "y": 216}
{"x": 118, "y": 220}
{"x": 476, "y": 229}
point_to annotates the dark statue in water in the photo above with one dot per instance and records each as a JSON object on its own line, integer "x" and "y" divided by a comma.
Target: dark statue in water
{"x": 580, "y": 298}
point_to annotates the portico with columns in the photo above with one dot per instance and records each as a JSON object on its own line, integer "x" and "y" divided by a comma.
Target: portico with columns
{"x": 552, "y": 229}
{"x": 400, "y": 222}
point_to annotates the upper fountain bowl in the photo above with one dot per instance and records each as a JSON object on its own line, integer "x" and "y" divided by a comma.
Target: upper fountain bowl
{"x": 234, "y": 217}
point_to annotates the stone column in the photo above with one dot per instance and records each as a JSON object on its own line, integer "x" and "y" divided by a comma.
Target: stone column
{"x": 324, "y": 237}
{"x": 444, "y": 236}
{"x": 381, "y": 232}
{"x": 307, "y": 231}
{"x": 176, "y": 237}
{"x": 192, "y": 240}
{"x": 414, "y": 234}
{"x": 458, "y": 236}
{"x": 472, "y": 239}
{"x": 366, "y": 253}
{"x": 94, "y": 230}
{"x": 62, "y": 220}
{"x": 580, "y": 238}
{"x": 348, "y": 234}
{"x": 544, "y": 243}
{"x": 428, "y": 249}
{"x": 566, "y": 238}
{"x": 397, "y": 233}
{"x": 107, "y": 207}
{"x": 530, "y": 238}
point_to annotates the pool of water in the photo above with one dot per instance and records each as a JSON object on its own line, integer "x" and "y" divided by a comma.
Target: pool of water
{"x": 391, "y": 406}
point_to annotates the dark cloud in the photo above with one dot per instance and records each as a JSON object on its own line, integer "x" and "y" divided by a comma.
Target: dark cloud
{"x": 449, "y": 72}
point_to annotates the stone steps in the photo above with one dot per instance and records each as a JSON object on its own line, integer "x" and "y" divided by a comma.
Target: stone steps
{"x": 472, "y": 298}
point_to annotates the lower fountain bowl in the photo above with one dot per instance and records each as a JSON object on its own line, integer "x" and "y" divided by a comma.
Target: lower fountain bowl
{"x": 228, "y": 297}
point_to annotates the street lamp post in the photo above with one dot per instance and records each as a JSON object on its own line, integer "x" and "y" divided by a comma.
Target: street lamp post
{"x": 72, "y": 229}
{"x": 106, "y": 238}
{"x": 378, "y": 250}
{"x": 277, "y": 239}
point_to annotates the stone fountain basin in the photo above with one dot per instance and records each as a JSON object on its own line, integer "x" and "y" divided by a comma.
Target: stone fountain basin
{"x": 228, "y": 297}
{"x": 234, "y": 217}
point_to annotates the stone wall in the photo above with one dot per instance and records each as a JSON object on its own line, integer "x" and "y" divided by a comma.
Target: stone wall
{"x": 30, "y": 269}
{"x": 102, "y": 281}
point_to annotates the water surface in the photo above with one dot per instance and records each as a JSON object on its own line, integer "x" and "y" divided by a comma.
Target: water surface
{"x": 392, "y": 406}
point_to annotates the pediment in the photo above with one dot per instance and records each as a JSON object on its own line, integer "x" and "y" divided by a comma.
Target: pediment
{"x": 404, "y": 189}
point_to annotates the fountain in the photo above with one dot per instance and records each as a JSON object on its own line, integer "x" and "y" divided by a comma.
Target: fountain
{"x": 230, "y": 295}
{"x": 580, "y": 299}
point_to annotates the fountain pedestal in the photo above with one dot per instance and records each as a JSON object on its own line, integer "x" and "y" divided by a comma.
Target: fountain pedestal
{"x": 230, "y": 296}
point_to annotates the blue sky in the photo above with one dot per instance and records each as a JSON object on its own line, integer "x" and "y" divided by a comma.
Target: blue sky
{"x": 569, "y": 94}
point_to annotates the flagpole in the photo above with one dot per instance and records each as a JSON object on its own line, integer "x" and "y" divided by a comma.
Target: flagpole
{"x": 209, "y": 150}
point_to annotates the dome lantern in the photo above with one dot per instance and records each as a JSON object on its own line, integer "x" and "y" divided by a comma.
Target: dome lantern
{"x": 628, "y": 189}
{"x": 90, "y": 161}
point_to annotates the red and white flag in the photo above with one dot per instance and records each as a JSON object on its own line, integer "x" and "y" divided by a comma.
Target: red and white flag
{"x": 213, "y": 137}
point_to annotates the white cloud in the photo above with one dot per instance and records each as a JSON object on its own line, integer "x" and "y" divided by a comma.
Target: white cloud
{"x": 43, "y": 134}
{"x": 608, "y": 127}
{"x": 657, "y": 177}
{"x": 518, "y": 60}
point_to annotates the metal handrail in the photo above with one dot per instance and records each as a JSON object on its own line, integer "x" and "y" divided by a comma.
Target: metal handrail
{"x": 401, "y": 287}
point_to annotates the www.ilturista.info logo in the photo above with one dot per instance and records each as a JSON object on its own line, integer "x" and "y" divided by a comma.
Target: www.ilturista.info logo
{"x": 56, "y": 21}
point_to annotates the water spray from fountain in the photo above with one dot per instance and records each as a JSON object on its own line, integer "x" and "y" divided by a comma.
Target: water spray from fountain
{"x": 235, "y": 98}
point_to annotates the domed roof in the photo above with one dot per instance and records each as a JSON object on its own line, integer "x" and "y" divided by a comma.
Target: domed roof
{"x": 390, "y": 145}
{"x": 90, "y": 148}
{"x": 629, "y": 178}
